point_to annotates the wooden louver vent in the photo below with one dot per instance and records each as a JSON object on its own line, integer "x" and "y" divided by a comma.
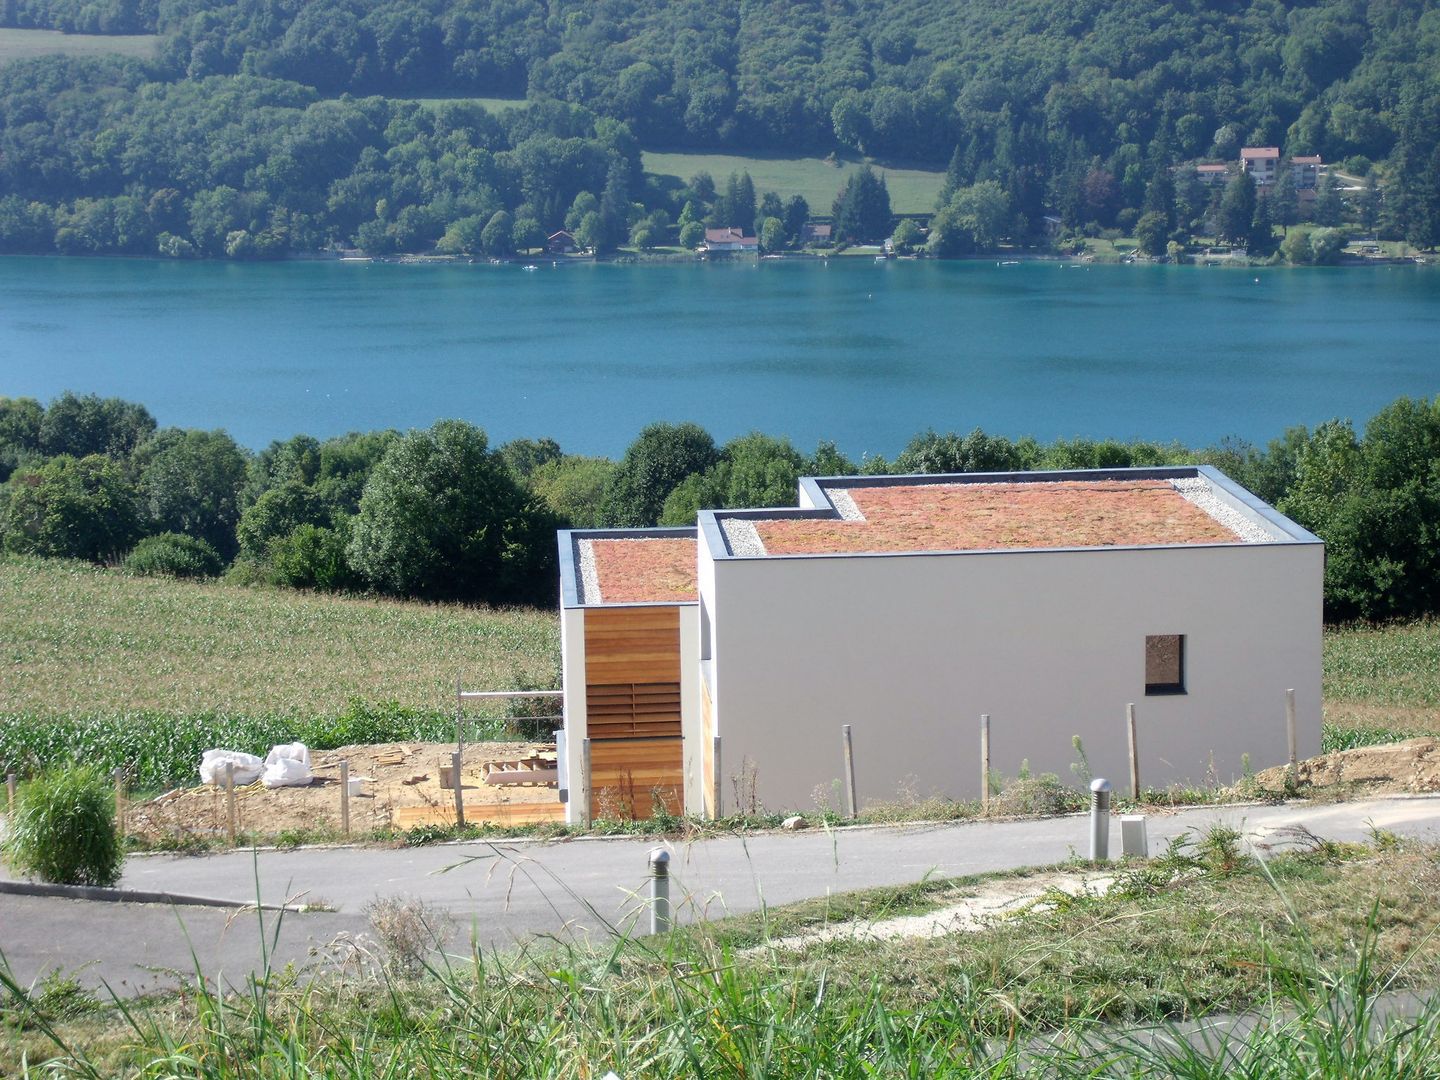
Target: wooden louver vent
{"x": 633, "y": 710}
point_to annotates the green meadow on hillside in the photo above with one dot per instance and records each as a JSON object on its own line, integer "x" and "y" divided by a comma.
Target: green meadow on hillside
{"x": 912, "y": 191}
{"x": 23, "y": 44}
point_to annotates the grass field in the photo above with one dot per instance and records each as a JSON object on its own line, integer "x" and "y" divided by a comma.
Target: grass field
{"x": 23, "y": 44}
{"x": 1383, "y": 677}
{"x": 79, "y": 640}
{"x": 912, "y": 191}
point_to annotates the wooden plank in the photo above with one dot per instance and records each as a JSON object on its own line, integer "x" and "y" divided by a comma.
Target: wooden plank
{"x": 527, "y": 813}
{"x": 603, "y": 620}
{"x": 707, "y": 749}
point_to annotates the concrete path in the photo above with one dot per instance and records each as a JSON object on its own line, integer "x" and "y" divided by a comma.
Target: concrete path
{"x": 510, "y": 892}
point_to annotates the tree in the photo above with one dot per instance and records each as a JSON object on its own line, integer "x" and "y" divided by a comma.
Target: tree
{"x": 497, "y": 239}
{"x": 772, "y": 234}
{"x": 1151, "y": 233}
{"x": 906, "y": 237}
{"x": 1237, "y": 209}
{"x": 974, "y": 219}
{"x": 527, "y": 234}
{"x": 692, "y": 234}
{"x": 442, "y": 518}
{"x": 952, "y": 453}
{"x": 654, "y": 464}
{"x": 190, "y": 483}
{"x": 573, "y": 489}
{"x": 275, "y": 514}
{"x": 76, "y": 508}
{"x": 862, "y": 208}
{"x": 80, "y": 426}
{"x": 797, "y": 213}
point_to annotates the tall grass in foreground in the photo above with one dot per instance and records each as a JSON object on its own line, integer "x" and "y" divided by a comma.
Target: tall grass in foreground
{"x": 688, "y": 1005}
{"x": 654, "y": 1010}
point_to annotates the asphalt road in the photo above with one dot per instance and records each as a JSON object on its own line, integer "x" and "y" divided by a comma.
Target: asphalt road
{"x": 504, "y": 893}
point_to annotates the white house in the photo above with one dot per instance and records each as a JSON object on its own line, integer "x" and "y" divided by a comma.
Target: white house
{"x": 730, "y": 239}
{"x": 906, "y": 607}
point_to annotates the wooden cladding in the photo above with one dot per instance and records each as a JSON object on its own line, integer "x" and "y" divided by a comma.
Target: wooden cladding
{"x": 628, "y": 775}
{"x": 633, "y": 710}
{"x": 632, "y": 645}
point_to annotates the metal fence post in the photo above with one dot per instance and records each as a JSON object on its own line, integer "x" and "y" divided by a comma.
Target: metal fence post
{"x": 659, "y": 891}
{"x": 1099, "y": 820}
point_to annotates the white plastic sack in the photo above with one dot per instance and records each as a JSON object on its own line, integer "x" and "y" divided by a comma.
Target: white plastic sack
{"x": 287, "y": 766}
{"x": 212, "y": 767}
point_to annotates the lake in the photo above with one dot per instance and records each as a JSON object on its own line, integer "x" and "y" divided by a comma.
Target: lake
{"x": 864, "y": 353}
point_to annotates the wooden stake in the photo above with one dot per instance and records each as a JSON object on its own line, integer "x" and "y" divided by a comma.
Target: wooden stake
{"x": 119, "y": 775}
{"x": 985, "y": 763}
{"x": 459, "y": 790}
{"x": 10, "y": 791}
{"x": 230, "y": 808}
{"x": 1290, "y": 735}
{"x": 849, "y": 769}
{"x": 1134, "y": 753}
{"x": 345, "y": 797}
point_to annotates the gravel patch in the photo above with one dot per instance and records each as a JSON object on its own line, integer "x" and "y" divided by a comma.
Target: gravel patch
{"x": 844, "y": 504}
{"x": 589, "y": 575}
{"x": 742, "y": 537}
{"x": 1197, "y": 490}
{"x": 997, "y": 900}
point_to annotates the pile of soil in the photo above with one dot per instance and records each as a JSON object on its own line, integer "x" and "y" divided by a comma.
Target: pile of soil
{"x": 1409, "y": 767}
{"x": 397, "y": 775}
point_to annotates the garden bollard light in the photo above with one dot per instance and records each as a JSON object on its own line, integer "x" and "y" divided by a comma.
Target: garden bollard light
{"x": 1099, "y": 820}
{"x": 659, "y": 891}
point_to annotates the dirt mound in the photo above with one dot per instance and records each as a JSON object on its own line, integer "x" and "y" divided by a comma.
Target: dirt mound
{"x": 401, "y": 789}
{"x": 1409, "y": 767}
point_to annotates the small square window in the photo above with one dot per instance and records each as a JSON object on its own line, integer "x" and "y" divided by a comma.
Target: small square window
{"x": 1165, "y": 664}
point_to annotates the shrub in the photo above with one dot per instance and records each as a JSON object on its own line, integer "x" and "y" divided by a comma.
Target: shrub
{"x": 173, "y": 555}
{"x": 64, "y": 829}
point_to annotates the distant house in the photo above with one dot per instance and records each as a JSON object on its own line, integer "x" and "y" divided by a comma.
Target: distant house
{"x": 561, "y": 243}
{"x": 1305, "y": 171}
{"x": 1213, "y": 175}
{"x": 817, "y": 235}
{"x": 730, "y": 239}
{"x": 1262, "y": 163}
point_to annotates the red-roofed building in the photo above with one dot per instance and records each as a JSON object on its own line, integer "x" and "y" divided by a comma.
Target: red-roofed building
{"x": 1213, "y": 175}
{"x": 730, "y": 239}
{"x": 1261, "y": 162}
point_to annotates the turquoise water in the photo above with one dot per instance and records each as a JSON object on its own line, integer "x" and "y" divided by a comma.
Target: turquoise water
{"x": 864, "y": 353}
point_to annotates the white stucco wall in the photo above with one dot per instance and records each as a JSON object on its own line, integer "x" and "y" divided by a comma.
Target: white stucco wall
{"x": 910, "y": 650}
{"x": 690, "y": 719}
{"x": 572, "y": 651}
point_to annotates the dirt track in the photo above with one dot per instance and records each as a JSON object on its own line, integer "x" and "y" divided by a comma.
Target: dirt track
{"x": 398, "y": 776}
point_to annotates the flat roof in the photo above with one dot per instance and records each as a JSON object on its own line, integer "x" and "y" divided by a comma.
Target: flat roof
{"x": 1079, "y": 509}
{"x": 981, "y": 517}
{"x": 642, "y": 567}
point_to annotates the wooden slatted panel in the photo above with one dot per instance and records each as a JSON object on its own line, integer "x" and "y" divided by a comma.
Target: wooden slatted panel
{"x": 632, "y": 645}
{"x": 626, "y": 775}
{"x": 633, "y": 710}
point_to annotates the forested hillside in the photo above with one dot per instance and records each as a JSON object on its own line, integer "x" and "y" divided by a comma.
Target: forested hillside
{"x": 1044, "y": 98}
